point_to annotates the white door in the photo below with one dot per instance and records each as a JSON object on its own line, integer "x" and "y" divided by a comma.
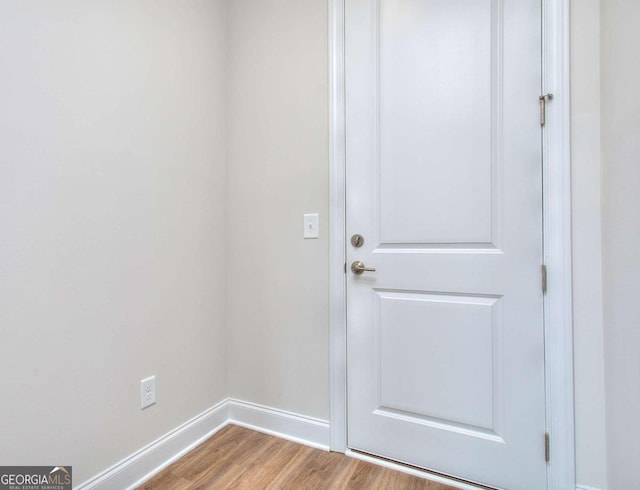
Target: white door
{"x": 444, "y": 183}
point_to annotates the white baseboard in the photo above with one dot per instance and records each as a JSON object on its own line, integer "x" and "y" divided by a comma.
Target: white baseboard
{"x": 143, "y": 464}
{"x": 294, "y": 427}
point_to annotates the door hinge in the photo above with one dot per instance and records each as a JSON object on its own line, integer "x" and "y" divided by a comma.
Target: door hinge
{"x": 543, "y": 271}
{"x": 543, "y": 106}
{"x": 345, "y": 267}
{"x": 547, "y": 455}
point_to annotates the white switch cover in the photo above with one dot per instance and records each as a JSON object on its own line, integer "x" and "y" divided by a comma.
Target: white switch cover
{"x": 311, "y": 228}
{"x": 147, "y": 392}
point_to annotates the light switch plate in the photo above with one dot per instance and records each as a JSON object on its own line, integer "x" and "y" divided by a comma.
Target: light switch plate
{"x": 311, "y": 227}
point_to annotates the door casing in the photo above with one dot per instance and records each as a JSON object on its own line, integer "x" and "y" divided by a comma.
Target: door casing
{"x": 556, "y": 160}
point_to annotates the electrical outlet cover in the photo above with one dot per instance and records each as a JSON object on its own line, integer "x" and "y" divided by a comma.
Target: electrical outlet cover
{"x": 147, "y": 392}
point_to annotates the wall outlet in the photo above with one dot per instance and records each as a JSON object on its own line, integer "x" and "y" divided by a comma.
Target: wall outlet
{"x": 147, "y": 392}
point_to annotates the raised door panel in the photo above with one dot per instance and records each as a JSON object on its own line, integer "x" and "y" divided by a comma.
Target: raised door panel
{"x": 439, "y": 120}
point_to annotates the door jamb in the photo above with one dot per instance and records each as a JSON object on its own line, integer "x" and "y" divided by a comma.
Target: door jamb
{"x": 557, "y": 231}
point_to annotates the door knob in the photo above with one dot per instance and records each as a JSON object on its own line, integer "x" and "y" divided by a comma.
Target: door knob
{"x": 358, "y": 268}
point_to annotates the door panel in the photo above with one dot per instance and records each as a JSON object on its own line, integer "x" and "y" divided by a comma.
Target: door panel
{"x": 445, "y": 339}
{"x": 423, "y": 118}
{"x": 456, "y": 333}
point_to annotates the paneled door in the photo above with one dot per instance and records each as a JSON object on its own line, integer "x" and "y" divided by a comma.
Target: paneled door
{"x": 445, "y": 342}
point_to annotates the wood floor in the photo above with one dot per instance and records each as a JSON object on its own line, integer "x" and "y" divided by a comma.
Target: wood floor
{"x": 244, "y": 459}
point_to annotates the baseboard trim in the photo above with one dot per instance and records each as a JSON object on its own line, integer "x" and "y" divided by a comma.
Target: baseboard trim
{"x": 153, "y": 458}
{"x": 287, "y": 425}
{"x": 143, "y": 464}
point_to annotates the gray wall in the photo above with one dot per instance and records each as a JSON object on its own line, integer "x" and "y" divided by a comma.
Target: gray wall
{"x": 113, "y": 218}
{"x": 621, "y": 236}
{"x": 278, "y": 170}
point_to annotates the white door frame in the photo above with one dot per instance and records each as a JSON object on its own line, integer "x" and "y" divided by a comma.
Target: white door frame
{"x": 557, "y": 233}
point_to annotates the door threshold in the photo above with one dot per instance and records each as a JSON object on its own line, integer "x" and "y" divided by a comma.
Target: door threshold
{"x": 416, "y": 471}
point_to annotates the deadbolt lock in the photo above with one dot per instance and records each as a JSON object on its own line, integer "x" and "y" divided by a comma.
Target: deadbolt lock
{"x": 357, "y": 240}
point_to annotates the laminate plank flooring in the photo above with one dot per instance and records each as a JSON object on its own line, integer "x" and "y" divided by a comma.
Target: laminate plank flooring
{"x": 243, "y": 459}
